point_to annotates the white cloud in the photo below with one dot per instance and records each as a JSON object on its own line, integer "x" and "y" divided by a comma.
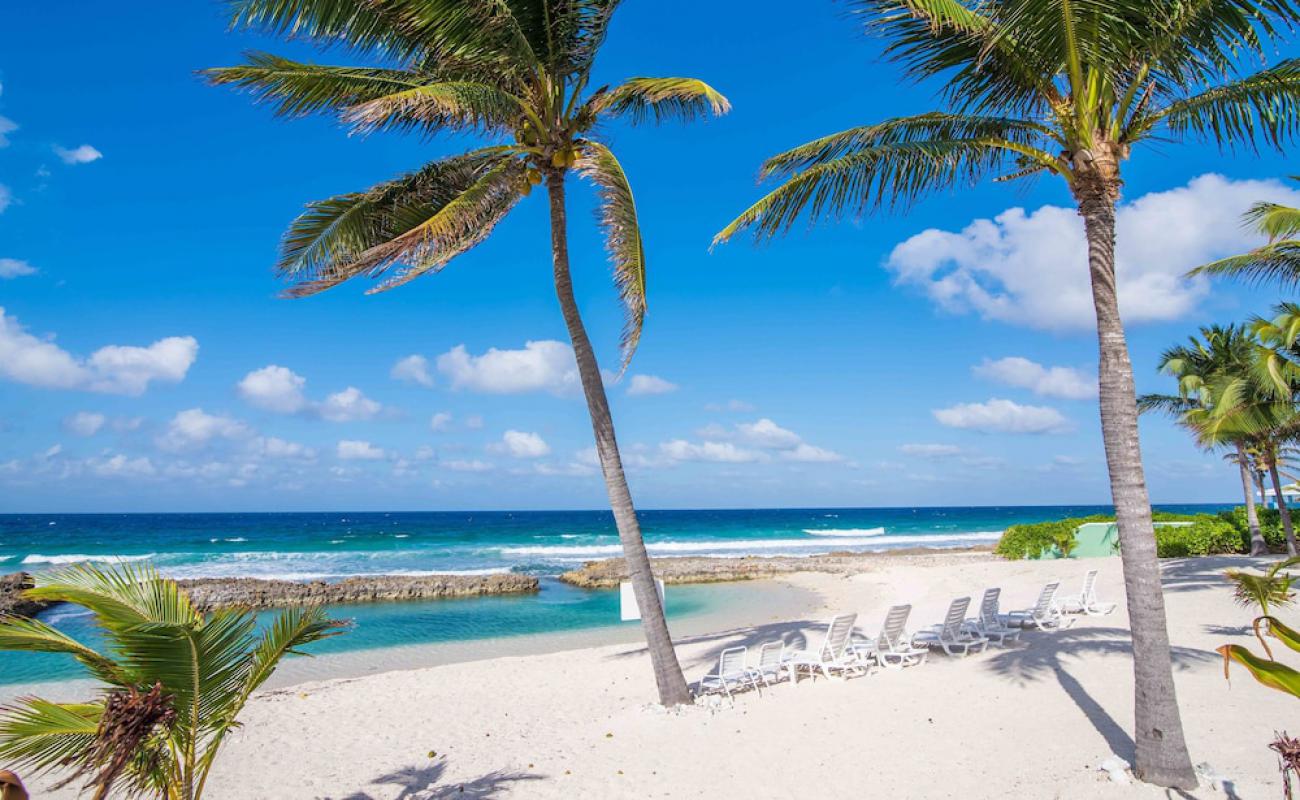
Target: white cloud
{"x": 119, "y": 466}
{"x": 275, "y": 447}
{"x": 6, "y": 197}
{"x": 84, "y": 423}
{"x": 1002, "y": 416}
{"x": 462, "y": 465}
{"x": 1064, "y": 382}
{"x": 114, "y": 369}
{"x": 7, "y": 126}
{"x": 1031, "y": 268}
{"x": 544, "y": 366}
{"x": 766, "y": 433}
{"x": 808, "y": 453}
{"x": 739, "y": 406}
{"x": 521, "y": 444}
{"x": 194, "y": 428}
{"x": 78, "y": 155}
{"x": 440, "y": 422}
{"x": 930, "y": 450}
{"x": 725, "y": 452}
{"x": 348, "y": 405}
{"x": 15, "y": 268}
{"x": 413, "y": 369}
{"x": 649, "y": 384}
{"x": 353, "y": 450}
{"x": 274, "y": 388}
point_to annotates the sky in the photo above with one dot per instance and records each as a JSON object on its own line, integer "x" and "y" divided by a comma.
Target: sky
{"x": 943, "y": 356}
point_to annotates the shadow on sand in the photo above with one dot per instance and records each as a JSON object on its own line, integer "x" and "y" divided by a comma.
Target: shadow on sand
{"x": 425, "y": 783}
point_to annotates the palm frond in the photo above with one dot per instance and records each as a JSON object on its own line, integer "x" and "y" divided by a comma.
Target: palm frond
{"x": 454, "y": 105}
{"x": 1274, "y": 220}
{"x": 659, "y": 99}
{"x": 299, "y": 89}
{"x": 1273, "y": 263}
{"x": 39, "y": 736}
{"x": 356, "y": 24}
{"x": 33, "y": 636}
{"x": 618, "y": 219}
{"x": 1260, "y": 108}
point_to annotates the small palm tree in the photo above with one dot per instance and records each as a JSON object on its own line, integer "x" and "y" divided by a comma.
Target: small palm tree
{"x": 1066, "y": 88}
{"x": 1270, "y": 589}
{"x": 519, "y": 72}
{"x": 1278, "y": 260}
{"x": 176, "y": 680}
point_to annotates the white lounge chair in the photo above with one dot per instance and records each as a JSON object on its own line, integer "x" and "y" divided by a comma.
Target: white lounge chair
{"x": 834, "y": 655}
{"x": 1087, "y": 602}
{"x": 771, "y": 662}
{"x": 731, "y": 672}
{"x": 989, "y": 622}
{"x": 952, "y": 634}
{"x": 1044, "y": 615}
{"x": 892, "y": 647}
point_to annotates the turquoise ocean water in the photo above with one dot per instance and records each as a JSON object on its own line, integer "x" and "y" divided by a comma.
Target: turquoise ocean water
{"x": 326, "y": 546}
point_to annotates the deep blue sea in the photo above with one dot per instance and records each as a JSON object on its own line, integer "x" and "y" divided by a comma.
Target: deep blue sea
{"x": 325, "y": 546}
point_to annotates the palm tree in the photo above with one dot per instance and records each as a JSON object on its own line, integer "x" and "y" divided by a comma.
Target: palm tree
{"x": 517, "y": 71}
{"x": 176, "y": 680}
{"x": 1065, "y": 88}
{"x": 1221, "y": 353}
{"x": 1278, "y": 260}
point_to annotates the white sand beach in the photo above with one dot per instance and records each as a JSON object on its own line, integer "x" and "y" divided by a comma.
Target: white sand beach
{"x": 1033, "y": 720}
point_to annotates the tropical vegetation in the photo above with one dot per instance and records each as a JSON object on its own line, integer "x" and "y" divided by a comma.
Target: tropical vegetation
{"x": 1177, "y": 535}
{"x": 175, "y": 682}
{"x": 1266, "y": 590}
{"x": 1275, "y": 675}
{"x": 518, "y": 74}
{"x": 1066, "y": 89}
{"x": 1278, "y": 260}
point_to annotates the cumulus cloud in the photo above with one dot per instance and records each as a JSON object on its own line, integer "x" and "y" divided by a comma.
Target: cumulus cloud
{"x": 930, "y": 450}
{"x": 440, "y": 422}
{"x": 521, "y": 444}
{"x": 1065, "y": 382}
{"x": 766, "y": 433}
{"x": 283, "y": 391}
{"x": 78, "y": 155}
{"x": 725, "y": 452}
{"x": 15, "y": 268}
{"x": 761, "y": 435}
{"x": 1002, "y": 416}
{"x": 7, "y": 126}
{"x": 412, "y": 369}
{"x": 277, "y": 448}
{"x": 354, "y": 450}
{"x": 808, "y": 453}
{"x": 1030, "y": 268}
{"x": 114, "y": 369}
{"x": 543, "y": 366}
{"x": 121, "y": 466}
{"x": 84, "y": 423}
{"x": 194, "y": 428}
{"x": 467, "y": 465}
{"x": 649, "y": 384}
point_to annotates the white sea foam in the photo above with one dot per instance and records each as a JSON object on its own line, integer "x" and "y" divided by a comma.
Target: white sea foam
{"x": 769, "y": 546}
{"x": 233, "y": 539}
{"x": 77, "y": 558}
{"x": 844, "y": 531}
{"x": 5, "y": 558}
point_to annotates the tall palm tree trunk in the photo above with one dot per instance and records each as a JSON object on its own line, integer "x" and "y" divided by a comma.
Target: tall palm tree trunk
{"x": 1258, "y": 546}
{"x": 663, "y": 658}
{"x": 1162, "y": 756}
{"x": 1283, "y": 509}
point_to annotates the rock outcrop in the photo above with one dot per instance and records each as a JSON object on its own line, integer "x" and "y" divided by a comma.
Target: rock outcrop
{"x": 12, "y": 601}
{"x": 608, "y": 573}
{"x": 210, "y": 593}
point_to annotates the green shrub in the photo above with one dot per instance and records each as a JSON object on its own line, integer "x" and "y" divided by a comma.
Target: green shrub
{"x": 1206, "y": 536}
{"x": 1270, "y": 524}
{"x": 1029, "y": 540}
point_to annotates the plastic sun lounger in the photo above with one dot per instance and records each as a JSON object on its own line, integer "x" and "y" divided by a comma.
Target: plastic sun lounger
{"x": 892, "y": 647}
{"x": 836, "y": 653}
{"x": 989, "y": 622}
{"x": 771, "y": 662}
{"x": 731, "y": 672}
{"x": 952, "y": 634}
{"x": 1087, "y": 602}
{"x": 1044, "y": 615}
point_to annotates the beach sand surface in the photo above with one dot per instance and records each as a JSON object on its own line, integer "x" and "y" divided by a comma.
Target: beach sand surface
{"x": 1033, "y": 720}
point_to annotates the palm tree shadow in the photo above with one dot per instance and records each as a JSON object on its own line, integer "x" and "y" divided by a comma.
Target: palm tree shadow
{"x": 418, "y": 783}
{"x": 1044, "y": 655}
{"x": 792, "y": 633}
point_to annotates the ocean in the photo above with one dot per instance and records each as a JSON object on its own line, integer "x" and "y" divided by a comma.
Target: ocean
{"x": 326, "y": 546}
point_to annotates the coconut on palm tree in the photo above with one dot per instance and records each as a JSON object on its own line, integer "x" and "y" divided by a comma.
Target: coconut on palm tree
{"x": 1064, "y": 88}
{"x": 517, "y": 72}
{"x": 1220, "y": 353}
{"x": 175, "y": 682}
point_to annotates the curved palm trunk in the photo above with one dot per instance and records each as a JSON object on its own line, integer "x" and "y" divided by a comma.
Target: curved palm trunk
{"x": 663, "y": 658}
{"x": 1282, "y": 509}
{"x": 1162, "y": 756}
{"x": 1258, "y": 546}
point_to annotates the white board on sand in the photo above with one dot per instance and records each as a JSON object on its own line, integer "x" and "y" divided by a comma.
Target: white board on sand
{"x": 628, "y": 609}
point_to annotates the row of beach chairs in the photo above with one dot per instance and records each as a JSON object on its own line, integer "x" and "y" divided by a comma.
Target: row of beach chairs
{"x": 847, "y": 652}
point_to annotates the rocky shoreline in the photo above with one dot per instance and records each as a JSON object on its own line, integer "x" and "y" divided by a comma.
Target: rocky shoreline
{"x": 210, "y": 593}
{"x": 608, "y": 573}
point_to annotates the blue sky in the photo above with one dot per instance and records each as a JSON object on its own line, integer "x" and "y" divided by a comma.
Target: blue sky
{"x": 938, "y": 357}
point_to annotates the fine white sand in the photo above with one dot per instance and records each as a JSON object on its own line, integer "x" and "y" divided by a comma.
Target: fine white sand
{"x": 1034, "y": 720}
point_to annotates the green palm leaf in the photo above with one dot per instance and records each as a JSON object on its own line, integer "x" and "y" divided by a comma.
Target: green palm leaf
{"x": 297, "y": 89}
{"x": 1264, "y": 107}
{"x": 659, "y": 99}
{"x": 453, "y": 105}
